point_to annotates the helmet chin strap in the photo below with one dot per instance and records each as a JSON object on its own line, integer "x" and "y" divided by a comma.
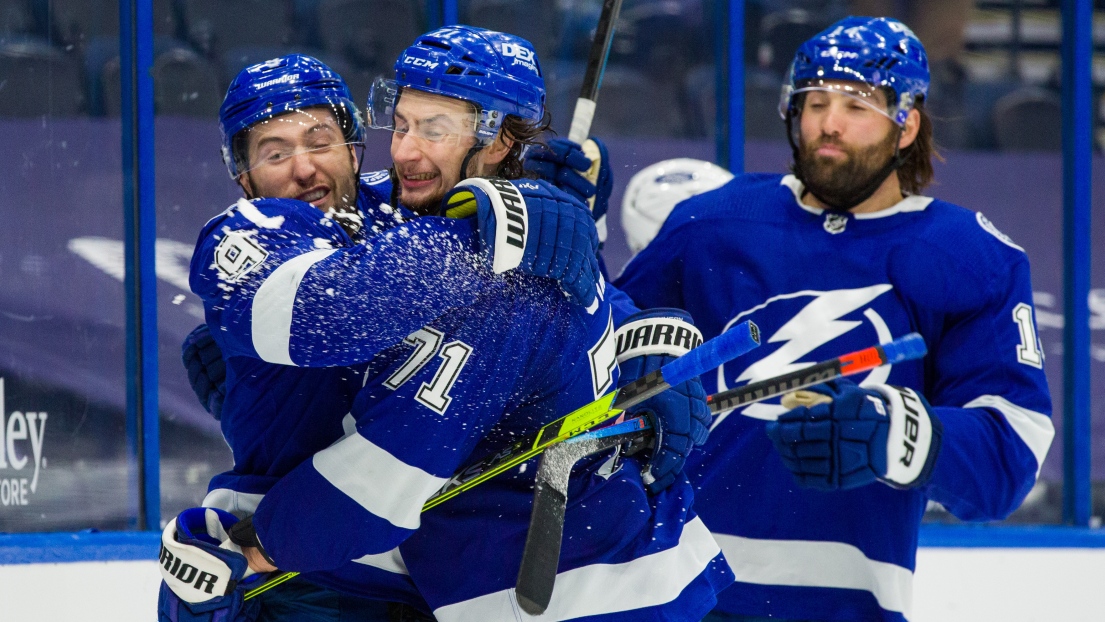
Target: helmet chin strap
{"x": 472, "y": 151}
{"x": 860, "y": 195}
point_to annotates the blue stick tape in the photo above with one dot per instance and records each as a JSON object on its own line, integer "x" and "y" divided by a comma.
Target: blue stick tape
{"x": 907, "y": 348}
{"x": 721, "y": 349}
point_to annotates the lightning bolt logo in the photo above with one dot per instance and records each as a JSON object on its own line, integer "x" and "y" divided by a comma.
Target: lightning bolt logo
{"x": 815, "y": 325}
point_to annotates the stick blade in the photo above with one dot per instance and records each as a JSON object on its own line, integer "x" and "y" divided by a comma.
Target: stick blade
{"x": 541, "y": 557}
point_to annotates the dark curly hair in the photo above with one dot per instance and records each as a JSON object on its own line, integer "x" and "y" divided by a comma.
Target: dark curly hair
{"x": 916, "y": 171}
{"x": 524, "y": 133}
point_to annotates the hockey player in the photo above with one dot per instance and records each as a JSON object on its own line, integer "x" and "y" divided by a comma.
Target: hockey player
{"x": 418, "y": 418}
{"x": 818, "y": 508}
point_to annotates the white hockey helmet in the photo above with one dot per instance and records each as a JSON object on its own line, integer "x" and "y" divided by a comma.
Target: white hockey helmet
{"x": 656, "y": 189}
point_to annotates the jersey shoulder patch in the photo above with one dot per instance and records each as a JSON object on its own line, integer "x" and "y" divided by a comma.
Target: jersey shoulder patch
{"x": 989, "y": 227}
{"x": 238, "y": 254}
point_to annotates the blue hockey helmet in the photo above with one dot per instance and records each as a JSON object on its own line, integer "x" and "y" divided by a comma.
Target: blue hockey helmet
{"x": 278, "y": 86}
{"x": 497, "y": 72}
{"x": 878, "y": 52}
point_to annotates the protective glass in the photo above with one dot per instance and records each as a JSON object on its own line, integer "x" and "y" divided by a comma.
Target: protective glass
{"x": 277, "y": 142}
{"x": 429, "y": 116}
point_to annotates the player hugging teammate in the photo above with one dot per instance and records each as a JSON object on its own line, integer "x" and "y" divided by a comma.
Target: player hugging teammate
{"x": 411, "y": 346}
{"x": 373, "y": 347}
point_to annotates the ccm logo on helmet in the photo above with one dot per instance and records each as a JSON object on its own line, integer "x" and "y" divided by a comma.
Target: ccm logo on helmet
{"x": 420, "y": 62}
{"x": 187, "y": 573}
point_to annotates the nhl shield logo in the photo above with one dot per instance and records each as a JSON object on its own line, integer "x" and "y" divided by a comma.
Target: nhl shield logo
{"x": 835, "y": 223}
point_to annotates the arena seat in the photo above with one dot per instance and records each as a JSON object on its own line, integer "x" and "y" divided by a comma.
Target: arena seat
{"x": 185, "y": 84}
{"x": 630, "y": 104}
{"x": 216, "y": 25}
{"x": 15, "y": 18}
{"x": 345, "y": 29}
{"x": 38, "y": 79}
{"x": 1028, "y": 119}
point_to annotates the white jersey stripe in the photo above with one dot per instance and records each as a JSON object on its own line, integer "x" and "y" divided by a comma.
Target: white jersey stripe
{"x": 378, "y": 481}
{"x": 1035, "y": 429}
{"x": 391, "y": 561}
{"x": 244, "y": 504}
{"x": 240, "y": 504}
{"x": 273, "y": 304}
{"x": 809, "y": 563}
{"x": 598, "y": 589}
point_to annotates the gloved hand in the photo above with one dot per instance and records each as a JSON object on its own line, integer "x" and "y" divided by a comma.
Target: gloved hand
{"x": 646, "y": 341}
{"x": 565, "y": 164}
{"x": 531, "y": 225}
{"x": 205, "y": 575}
{"x": 841, "y": 436}
{"x": 206, "y": 369}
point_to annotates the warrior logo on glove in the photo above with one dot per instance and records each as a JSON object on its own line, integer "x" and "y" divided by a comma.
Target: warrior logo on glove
{"x": 186, "y": 574}
{"x": 657, "y": 335}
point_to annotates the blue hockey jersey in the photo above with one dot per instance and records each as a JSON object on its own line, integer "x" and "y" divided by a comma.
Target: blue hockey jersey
{"x": 277, "y": 416}
{"x": 486, "y": 358}
{"x": 820, "y": 284}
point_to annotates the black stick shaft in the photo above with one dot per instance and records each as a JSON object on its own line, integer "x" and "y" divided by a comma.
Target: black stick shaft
{"x": 596, "y": 66}
{"x": 600, "y": 50}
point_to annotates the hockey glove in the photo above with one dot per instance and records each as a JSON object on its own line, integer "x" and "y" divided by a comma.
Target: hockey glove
{"x": 204, "y": 573}
{"x": 565, "y": 164}
{"x": 206, "y": 369}
{"x": 839, "y": 436}
{"x": 646, "y": 341}
{"x": 530, "y": 225}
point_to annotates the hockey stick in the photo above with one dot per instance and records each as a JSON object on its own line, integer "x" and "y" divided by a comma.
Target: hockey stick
{"x": 725, "y": 347}
{"x": 909, "y": 347}
{"x": 541, "y": 556}
{"x": 587, "y": 101}
{"x": 592, "y": 77}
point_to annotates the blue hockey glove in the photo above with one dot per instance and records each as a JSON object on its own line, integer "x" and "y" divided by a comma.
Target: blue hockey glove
{"x": 565, "y": 164}
{"x": 530, "y": 225}
{"x": 646, "y": 341}
{"x": 205, "y": 575}
{"x": 839, "y": 436}
{"x": 206, "y": 369}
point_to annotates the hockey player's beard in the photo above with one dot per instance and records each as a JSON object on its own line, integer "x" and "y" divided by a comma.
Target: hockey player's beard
{"x": 426, "y": 207}
{"x": 838, "y": 183}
